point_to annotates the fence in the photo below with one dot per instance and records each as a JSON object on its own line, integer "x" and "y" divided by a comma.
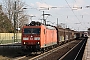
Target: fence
{"x": 6, "y": 38}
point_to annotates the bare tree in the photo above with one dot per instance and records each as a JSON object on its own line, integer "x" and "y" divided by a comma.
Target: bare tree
{"x": 5, "y": 23}
{"x": 14, "y": 10}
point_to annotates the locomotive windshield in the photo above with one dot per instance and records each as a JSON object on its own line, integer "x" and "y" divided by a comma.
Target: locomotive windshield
{"x": 31, "y": 30}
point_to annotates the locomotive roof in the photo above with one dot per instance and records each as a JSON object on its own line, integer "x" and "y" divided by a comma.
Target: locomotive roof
{"x": 33, "y": 23}
{"x": 50, "y": 27}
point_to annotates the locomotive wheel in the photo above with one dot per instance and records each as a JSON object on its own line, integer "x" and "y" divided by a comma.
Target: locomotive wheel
{"x": 42, "y": 50}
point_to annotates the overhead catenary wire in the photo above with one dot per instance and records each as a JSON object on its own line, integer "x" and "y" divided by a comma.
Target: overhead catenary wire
{"x": 70, "y": 8}
{"x": 79, "y": 13}
{"x": 49, "y": 6}
{"x": 74, "y": 14}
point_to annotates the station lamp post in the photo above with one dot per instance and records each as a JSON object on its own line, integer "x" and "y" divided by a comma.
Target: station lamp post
{"x": 44, "y": 20}
{"x": 15, "y": 17}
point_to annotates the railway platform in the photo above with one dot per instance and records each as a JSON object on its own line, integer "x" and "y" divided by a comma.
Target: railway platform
{"x": 86, "y": 55}
{"x": 11, "y": 44}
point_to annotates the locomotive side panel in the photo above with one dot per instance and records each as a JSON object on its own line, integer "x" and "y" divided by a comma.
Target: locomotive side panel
{"x": 51, "y": 38}
{"x": 42, "y": 36}
{"x": 48, "y": 37}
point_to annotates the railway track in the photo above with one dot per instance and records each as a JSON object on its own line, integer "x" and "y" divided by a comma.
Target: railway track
{"x": 76, "y": 52}
{"x": 58, "y": 53}
{"x": 52, "y": 54}
{"x": 62, "y": 53}
{"x": 44, "y": 55}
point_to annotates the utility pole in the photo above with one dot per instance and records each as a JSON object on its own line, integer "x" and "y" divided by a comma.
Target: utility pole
{"x": 14, "y": 21}
{"x": 44, "y": 21}
{"x": 57, "y": 22}
{"x": 64, "y": 32}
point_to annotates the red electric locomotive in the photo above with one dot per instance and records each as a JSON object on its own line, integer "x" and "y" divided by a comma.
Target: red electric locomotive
{"x": 37, "y": 36}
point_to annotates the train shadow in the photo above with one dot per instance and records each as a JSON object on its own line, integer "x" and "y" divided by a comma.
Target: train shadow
{"x": 11, "y": 51}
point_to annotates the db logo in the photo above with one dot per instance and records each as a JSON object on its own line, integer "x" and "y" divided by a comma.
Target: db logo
{"x": 31, "y": 38}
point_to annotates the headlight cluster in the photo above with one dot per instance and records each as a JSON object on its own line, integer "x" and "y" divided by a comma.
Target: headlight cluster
{"x": 36, "y": 38}
{"x": 25, "y": 38}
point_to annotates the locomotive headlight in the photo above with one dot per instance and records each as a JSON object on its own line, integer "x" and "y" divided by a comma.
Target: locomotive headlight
{"x": 24, "y": 43}
{"x": 25, "y": 38}
{"x": 36, "y": 38}
{"x": 38, "y": 42}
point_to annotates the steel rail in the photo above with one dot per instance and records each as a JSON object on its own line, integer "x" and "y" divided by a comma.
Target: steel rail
{"x": 49, "y": 52}
{"x": 79, "y": 51}
{"x": 44, "y": 54}
{"x": 69, "y": 51}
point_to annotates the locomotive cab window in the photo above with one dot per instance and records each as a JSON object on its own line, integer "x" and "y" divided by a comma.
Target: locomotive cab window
{"x": 32, "y": 31}
{"x": 44, "y": 31}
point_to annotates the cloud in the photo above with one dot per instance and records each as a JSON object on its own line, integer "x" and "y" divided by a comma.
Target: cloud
{"x": 79, "y": 3}
{"x": 42, "y": 4}
{"x": 85, "y": 13}
{"x": 32, "y": 4}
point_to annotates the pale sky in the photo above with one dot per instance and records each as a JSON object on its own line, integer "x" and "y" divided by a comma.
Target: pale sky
{"x": 75, "y": 19}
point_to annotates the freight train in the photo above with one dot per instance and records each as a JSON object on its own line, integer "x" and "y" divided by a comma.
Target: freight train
{"x": 37, "y": 36}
